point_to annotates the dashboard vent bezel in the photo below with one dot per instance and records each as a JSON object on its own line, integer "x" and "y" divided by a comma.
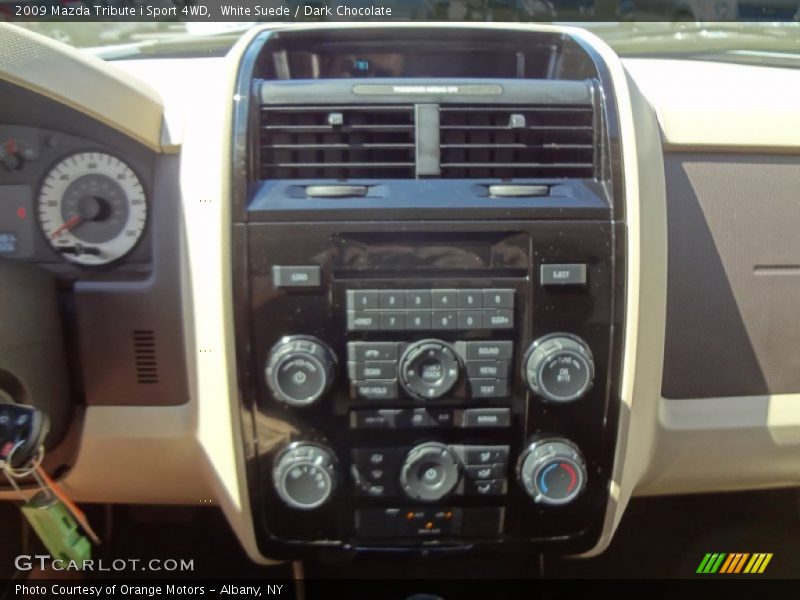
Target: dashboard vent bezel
{"x": 495, "y": 141}
{"x": 316, "y": 141}
{"x": 531, "y": 141}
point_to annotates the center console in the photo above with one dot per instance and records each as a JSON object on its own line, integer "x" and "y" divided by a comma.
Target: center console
{"x": 425, "y": 362}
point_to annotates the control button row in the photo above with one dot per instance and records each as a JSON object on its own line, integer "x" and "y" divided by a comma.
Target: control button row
{"x": 379, "y": 389}
{"x": 480, "y": 350}
{"x": 469, "y": 455}
{"x": 429, "y": 320}
{"x": 429, "y": 522}
{"x": 375, "y": 471}
{"x": 423, "y": 418}
{"x": 387, "y": 369}
{"x": 437, "y": 299}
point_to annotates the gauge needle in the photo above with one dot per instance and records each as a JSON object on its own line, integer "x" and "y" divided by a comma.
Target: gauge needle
{"x": 69, "y": 224}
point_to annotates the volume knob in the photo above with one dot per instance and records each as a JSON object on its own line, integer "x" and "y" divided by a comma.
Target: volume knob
{"x": 300, "y": 370}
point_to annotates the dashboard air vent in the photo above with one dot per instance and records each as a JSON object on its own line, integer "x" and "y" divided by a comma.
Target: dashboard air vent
{"x": 337, "y": 142}
{"x": 547, "y": 141}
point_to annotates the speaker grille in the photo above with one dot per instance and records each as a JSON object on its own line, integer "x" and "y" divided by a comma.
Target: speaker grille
{"x": 145, "y": 359}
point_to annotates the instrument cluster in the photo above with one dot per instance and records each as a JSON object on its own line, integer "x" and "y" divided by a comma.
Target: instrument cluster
{"x": 65, "y": 200}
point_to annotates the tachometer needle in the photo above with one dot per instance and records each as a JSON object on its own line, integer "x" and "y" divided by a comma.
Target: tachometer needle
{"x": 69, "y": 224}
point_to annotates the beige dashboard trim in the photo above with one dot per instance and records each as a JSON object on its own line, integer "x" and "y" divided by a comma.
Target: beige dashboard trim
{"x": 645, "y": 301}
{"x": 84, "y": 83}
{"x": 721, "y": 444}
{"x": 143, "y": 455}
{"x": 718, "y": 106}
{"x": 206, "y": 185}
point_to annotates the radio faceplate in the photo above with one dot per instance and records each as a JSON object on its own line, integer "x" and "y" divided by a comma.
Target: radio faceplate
{"x": 326, "y": 313}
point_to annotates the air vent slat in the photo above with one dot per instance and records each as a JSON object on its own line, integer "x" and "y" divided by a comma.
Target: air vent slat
{"x": 494, "y": 109}
{"x": 337, "y": 142}
{"x": 516, "y": 165}
{"x": 334, "y": 108}
{"x": 507, "y": 128}
{"x": 337, "y": 146}
{"x": 523, "y": 146}
{"x": 507, "y": 142}
{"x": 339, "y": 165}
{"x": 336, "y": 129}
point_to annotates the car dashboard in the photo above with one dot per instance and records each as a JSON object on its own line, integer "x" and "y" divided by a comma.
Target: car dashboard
{"x": 470, "y": 294}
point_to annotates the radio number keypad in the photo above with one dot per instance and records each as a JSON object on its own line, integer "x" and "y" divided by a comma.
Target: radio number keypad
{"x": 430, "y": 310}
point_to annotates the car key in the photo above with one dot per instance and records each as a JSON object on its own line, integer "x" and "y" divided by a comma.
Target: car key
{"x": 22, "y": 431}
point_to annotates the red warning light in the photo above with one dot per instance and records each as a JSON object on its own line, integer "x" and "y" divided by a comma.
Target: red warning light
{"x": 22, "y": 213}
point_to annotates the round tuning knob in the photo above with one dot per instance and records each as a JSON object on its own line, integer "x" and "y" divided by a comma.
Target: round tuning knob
{"x": 552, "y": 471}
{"x": 430, "y": 471}
{"x": 300, "y": 370}
{"x": 304, "y": 475}
{"x": 559, "y": 367}
{"x": 429, "y": 369}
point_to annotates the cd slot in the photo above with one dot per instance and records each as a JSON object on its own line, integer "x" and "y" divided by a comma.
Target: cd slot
{"x": 431, "y": 254}
{"x": 433, "y": 274}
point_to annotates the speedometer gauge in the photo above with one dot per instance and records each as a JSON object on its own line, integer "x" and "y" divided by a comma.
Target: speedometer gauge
{"x": 92, "y": 208}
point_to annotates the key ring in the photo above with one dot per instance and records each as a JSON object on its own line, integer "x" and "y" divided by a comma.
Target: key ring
{"x": 20, "y": 474}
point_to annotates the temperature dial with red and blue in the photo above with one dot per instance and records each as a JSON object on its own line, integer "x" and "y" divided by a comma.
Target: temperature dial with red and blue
{"x": 552, "y": 471}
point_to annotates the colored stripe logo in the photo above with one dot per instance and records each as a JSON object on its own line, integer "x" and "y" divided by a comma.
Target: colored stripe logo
{"x": 734, "y": 563}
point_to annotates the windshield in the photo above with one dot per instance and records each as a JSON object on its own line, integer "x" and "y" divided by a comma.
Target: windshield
{"x": 748, "y": 31}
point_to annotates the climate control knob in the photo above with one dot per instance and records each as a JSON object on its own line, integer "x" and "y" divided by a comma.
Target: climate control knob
{"x": 300, "y": 370}
{"x": 552, "y": 471}
{"x": 559, "y": 367}
{"x": 430, "y": 471}
{"x": 304, "y": 475}
{"x": 429, "y": 369}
